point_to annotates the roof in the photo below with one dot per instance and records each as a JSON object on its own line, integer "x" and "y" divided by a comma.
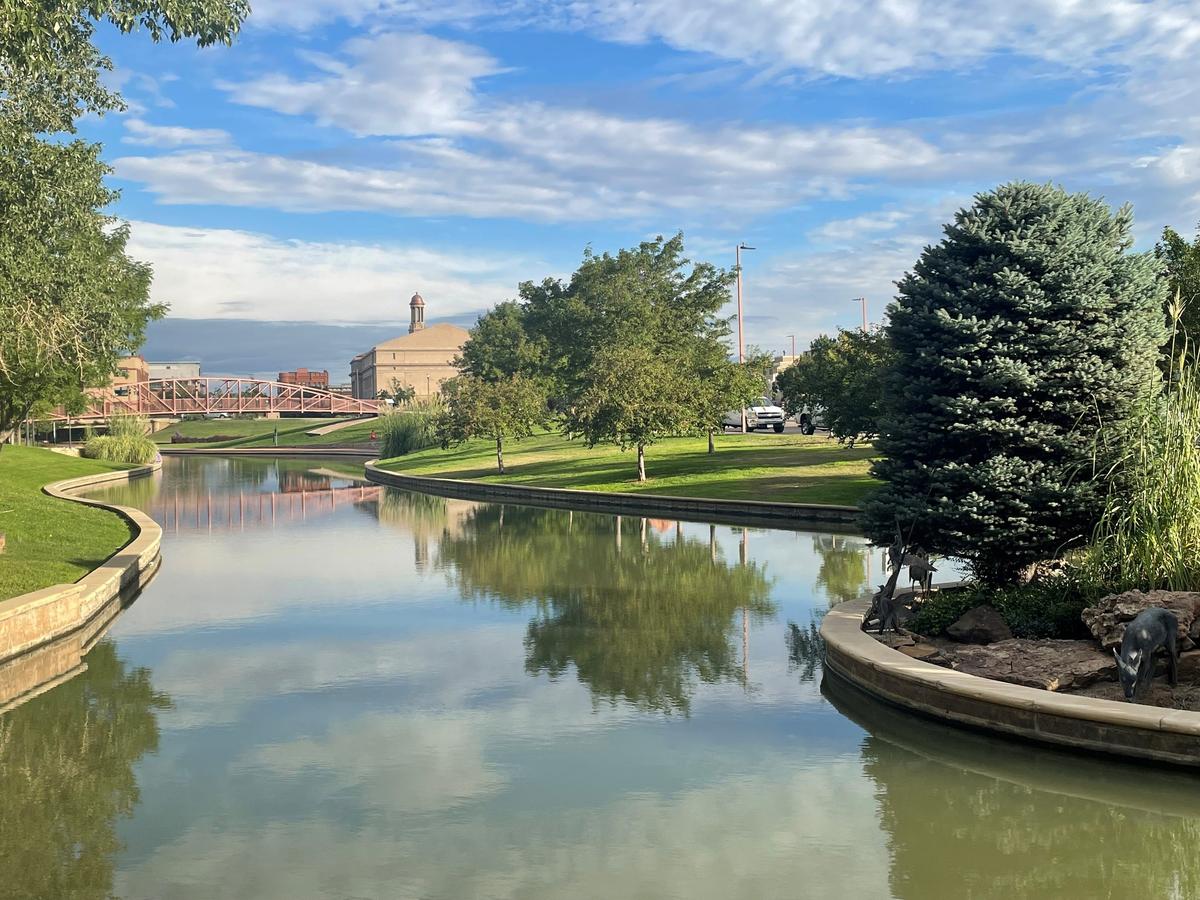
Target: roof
{"x": 439, "y": 336}
{"x": 417, "y": 300}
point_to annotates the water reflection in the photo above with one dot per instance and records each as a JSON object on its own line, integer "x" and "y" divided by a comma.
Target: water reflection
{"x": 640, "y": 611}
{"x": 1020, "y": 821}
{"x": 66, "y": 776}
{"x": 845, "y": 566}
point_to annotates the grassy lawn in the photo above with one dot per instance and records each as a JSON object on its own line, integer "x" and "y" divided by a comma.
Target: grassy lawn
{"x": 260, "y": 432}
{"x": 776, "y": 467}
{"x": 50, "y": 541}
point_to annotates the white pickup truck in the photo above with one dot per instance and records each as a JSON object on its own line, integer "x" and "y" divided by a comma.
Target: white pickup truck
{"x": 763, "y": 414}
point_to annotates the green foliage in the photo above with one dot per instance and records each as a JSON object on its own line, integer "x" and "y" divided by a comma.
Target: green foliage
{"x": 1025, "y": 332}
{"x": 1182, "y": 263}
{"x": 500, "y": 346}
{"x": 1149, "y": 534}
{"x": 412, "y": 429}
{"x": 844, "y": 378}
{"x": 510, "y": 406}
{"x": 1044, "y": 608}
{"x": 130, "y": 449}
{"x": 71, "y": 301}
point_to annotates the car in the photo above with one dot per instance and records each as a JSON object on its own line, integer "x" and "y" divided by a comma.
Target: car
{"x": 760, "y": 415}
{"x": 810, "y": 419}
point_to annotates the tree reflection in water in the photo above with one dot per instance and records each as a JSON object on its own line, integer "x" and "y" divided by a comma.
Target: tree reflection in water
{"x": 806, "y": 649}
{"x": 844, "y": 562}
{"x": 66, "y": 773}
{"x": 639, "y": 609}
{"x": 968, "y": 815}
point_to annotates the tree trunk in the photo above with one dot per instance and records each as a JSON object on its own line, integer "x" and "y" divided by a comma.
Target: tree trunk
{"x": 500, "y": 453}
{"x": 711, "y": 448}
{"x": 641, "y": 463}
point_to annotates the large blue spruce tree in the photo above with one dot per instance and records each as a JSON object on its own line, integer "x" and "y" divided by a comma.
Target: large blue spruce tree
{"x": 1024, "y": 335}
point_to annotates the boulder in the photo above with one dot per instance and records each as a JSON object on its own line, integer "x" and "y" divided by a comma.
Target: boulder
{"x": 1107, "y": 619}
{"x": 1048, "y": 664}
{"x": 980, "y": 625}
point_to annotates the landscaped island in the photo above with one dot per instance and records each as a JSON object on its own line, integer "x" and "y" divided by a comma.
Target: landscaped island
{"x": 776, "y": 468}
{"x": 50, "y": 541}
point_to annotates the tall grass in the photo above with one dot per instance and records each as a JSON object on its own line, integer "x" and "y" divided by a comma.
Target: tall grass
{"x": 1149, "y": 535}
{"x": 127, "y": 441}
{"x": 411, "y": 429}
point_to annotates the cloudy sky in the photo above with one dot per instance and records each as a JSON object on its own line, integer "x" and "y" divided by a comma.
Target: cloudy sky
{"x": 344, "y": 153}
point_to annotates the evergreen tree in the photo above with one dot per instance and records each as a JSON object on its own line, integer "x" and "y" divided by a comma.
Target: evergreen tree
{"x": 1019, "y": 338}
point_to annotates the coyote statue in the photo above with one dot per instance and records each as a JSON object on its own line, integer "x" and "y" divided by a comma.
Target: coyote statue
{"x": 1151, "y": 629}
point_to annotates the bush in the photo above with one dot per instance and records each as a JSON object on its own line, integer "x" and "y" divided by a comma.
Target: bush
{"x": 1019, "y": 337}
{"x": 1149, "y": 535}
{"x": 127, "y": 441}
{"x": 412, "y": 429}
{"x": 1048, "y": 608}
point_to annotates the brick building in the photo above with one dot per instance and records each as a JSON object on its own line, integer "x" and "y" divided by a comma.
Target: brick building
{"x": 307, "y": 378}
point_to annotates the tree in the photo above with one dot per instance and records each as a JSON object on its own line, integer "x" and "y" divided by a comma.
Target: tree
{"x": 511, "y": 407}
{"x": 1028, "y": 330}
{"x": 500, "y": 346}
{"x": 842, "y": 376}
{"x": 719, "y": 385}
{"x": 1181, "y": 261}
{"x": 71, "y": 301}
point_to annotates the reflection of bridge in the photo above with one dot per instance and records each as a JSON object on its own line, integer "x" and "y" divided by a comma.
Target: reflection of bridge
{"x": 213, "y": 396}
{"x": 191, "y": 511}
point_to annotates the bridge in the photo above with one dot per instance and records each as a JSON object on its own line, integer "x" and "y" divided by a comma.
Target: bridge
{"x": 214, "y": 396}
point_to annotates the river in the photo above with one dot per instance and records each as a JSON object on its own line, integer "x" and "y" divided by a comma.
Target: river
{"x": 336, "y": 690}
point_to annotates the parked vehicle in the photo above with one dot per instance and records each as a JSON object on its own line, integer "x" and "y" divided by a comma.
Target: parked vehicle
{"x": 763, "y": 414}
{"x": 810, "y": 419}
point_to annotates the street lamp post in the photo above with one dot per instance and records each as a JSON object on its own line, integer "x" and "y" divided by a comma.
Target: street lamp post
{"x": 741, "y": 335}
{"x": 793, "y": 337}
{"x": 863, "y": 301}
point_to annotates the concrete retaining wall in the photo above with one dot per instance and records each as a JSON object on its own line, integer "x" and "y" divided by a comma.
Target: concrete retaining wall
{"x": 1082, "y": 723}
{"x": 39, "y": 617}
{"x": 839, "y": 518}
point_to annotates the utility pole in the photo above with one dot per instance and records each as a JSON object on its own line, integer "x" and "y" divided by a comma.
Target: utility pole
{"x": 863, "y": 301}
{"x": 737, "y": 253}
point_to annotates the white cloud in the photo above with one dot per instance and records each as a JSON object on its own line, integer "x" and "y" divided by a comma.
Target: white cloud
{"x": 224, "y": 273}
{"x": 392, "y": 84}
{"x": 139, "y": 131}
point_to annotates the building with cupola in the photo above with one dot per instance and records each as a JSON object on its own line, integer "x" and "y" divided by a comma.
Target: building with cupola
{"x": 422, "y": 359}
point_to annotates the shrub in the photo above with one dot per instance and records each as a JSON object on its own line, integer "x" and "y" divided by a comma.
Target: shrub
{"x": 132, "y": 449}
{"x": 1149, "y": 534}
{"x": 1027, "y": 330}
{"x": 1046, "y": 608}
{"x": 412, "y": 429}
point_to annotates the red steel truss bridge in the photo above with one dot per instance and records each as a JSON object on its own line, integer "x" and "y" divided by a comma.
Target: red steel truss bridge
{"x": 213, "y": 396}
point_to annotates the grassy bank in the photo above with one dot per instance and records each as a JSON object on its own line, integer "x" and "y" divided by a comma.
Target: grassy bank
{"x": 783, "y": 468}
{"x": 50, "y": 541}
{"x": 261, "y": 433}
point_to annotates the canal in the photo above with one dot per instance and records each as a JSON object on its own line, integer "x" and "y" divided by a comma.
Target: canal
{"x": 336, "y": 690}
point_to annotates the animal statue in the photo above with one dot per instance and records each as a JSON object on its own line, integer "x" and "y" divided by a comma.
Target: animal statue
{"x": 920, "y": 572}
{"x": 1151, "y": 628}
{"x": 884, "y": 608}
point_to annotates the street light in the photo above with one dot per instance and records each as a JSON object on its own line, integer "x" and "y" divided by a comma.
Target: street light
{"x": 793, "y": 337}
{"x": 741, "y": 345}
{"x": 863, "y": 301}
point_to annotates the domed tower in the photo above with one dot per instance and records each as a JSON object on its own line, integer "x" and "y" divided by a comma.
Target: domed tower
{"x": 416, "y": 308}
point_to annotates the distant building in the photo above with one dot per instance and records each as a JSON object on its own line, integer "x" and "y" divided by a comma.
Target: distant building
{"x": 306, "y": 377}
{"x": 131, "y": 371}
{"x": 174, "y": 370}
{"x": 421, "y": 359}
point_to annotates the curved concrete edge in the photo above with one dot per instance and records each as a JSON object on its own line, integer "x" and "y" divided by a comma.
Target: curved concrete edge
{"x": 270, "y": 451}
{"x": 30, "y": 620}
{"x": 756, "y": 512}
{"x": 1082, "y": 723}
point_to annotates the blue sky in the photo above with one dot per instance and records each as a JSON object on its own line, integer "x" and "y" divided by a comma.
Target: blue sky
{"x": 344, "y": 153}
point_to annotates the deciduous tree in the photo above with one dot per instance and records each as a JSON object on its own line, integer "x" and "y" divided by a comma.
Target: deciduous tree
{"x": 495, "y": 410}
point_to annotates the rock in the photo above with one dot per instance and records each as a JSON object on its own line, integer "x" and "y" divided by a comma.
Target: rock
{"x": 1048, "y": 664}
{"x": 981, "y": 625}
{"x": 925, "y": 653}
{"x": 1107, "y": 619}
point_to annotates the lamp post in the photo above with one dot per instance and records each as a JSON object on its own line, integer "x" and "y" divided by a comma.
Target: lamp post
{"x": 737, "y": 253}
{"x": 863, "y": 301}
{"x": 793, "y": 337}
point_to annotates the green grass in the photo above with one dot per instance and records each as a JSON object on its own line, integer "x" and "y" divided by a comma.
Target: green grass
{"x": 260, "y": 433}
{"x": 783, "y": 468}
{"x": 50, "y": 541}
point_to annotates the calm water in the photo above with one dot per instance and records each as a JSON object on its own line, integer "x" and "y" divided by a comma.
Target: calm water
{"x": 333, "y": 690}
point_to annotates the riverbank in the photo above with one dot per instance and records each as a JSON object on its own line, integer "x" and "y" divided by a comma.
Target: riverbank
{"x": 261, "y": 433}
{"x": 51, "y": 541}
{"x": 787, "y": 468}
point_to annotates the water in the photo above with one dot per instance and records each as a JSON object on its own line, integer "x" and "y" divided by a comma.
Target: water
{"x": 333, "y": 690}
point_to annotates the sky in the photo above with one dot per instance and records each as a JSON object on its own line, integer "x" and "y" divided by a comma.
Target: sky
{"x": 343, "y": 154}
